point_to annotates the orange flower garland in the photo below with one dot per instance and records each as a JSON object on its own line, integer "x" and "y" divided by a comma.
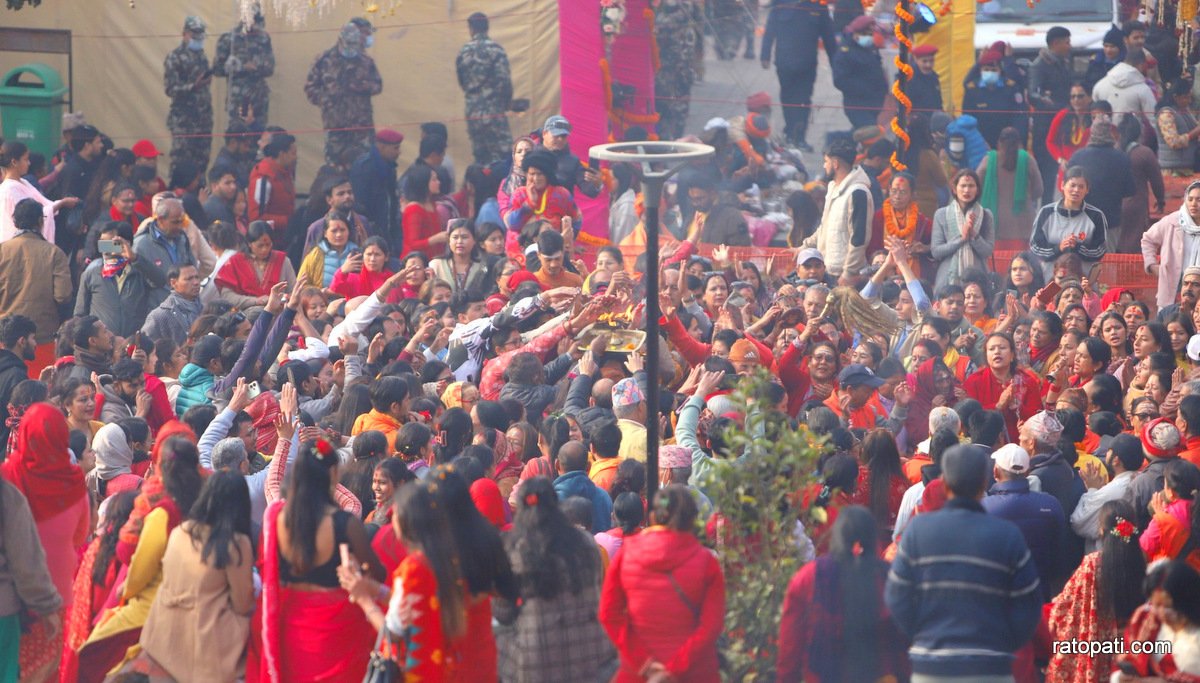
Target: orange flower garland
{"x": 892, "y": 227}
{"x": 905, "y": 18}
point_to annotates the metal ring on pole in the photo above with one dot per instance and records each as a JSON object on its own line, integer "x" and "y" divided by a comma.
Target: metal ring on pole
{"x": 651, "y": 151}
{"x": 672, "y": 156}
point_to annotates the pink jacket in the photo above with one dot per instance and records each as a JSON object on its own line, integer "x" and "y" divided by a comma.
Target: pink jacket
{"x": 1162, "y": 244}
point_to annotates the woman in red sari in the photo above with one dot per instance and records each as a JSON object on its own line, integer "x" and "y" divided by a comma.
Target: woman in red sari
{"x": 881, "y": 482}
{"x": 1001, "y": 385}
{"x": 427, "y": 610}
{"x": 1099, "y": 598}
{"x": 247, "y": 277}
{"x": 94, "y": 581}
{"x": 40, "y": 468}
{"x": 309, "y": 628}
{"x": 159, "y": 508}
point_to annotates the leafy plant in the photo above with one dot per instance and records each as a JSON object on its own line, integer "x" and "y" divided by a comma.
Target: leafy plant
{"x": 759, "y": 501}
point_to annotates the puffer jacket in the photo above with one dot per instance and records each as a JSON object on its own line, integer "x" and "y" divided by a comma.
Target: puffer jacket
{"x": 194, "y": 385}
{"x": 1041, "y": 521}
{"x": 975, "y": 147}
{"x": 1124, "y": 87}
{"x": 664, "y": 597}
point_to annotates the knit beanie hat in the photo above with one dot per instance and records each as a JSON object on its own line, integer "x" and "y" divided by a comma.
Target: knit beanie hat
{"x": 1102, "y": 134}
{"x": 1160, "y": 438}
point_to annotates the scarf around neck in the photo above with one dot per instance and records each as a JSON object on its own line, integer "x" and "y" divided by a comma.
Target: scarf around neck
{"x": 990, "y": 198}
{"x": 965, "y": 258}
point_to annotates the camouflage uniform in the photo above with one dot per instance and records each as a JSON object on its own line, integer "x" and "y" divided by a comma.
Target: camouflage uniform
{"x": 484, "y": 77}
{"x": 190, "y": 117}
{"x": 677, "y": 32}
{"x": 342, "y": 83}
{"x": 246, "y": 59}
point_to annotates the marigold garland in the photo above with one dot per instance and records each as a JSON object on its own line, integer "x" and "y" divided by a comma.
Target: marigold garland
{"x": 905, "y": 18}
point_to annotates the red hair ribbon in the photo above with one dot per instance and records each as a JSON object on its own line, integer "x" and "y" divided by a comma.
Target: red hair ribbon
{"x": 324, "y": 449}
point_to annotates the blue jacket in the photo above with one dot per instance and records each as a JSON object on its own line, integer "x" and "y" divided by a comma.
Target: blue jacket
{"x": 373, "y": 179}
{"x": 1041, "y": 521}
{"x": 964, "y": 588}
{"x": 793, "y": 28}
{"x": 578, "y": 484}
{"x": 194, "y": 384}
{"x": 975, "y": 147}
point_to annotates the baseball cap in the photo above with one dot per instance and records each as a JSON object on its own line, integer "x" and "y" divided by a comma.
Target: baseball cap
{"x": 809, "y": 254}
{"x": 557, "y": 125}
{"x": 857, "y": 374}
{"x": 1012, "y": 458}
{"x": 144, "y": 149}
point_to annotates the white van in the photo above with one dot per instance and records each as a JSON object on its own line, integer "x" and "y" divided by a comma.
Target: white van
{"x": 1014, "y": 22}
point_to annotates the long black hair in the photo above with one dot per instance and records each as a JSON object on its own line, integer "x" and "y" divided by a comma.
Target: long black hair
{"x": 456, "y": 431}
{"x": 1122, "y": 566}
{"x": 180, "y": 464}
{"x": 116, "y": 514}
{"x": 882, "y": 458}
{"x": 223, "y": 511}
{"x": 549, "y": 554}
{"x": 840, "y": 473}
{"x": 425, "y": 528}
{"x": 308, "y": 497}
{"x": 628, "y": 512}
{"x": 853, "y": 543}
{"x": 481, "y": 556}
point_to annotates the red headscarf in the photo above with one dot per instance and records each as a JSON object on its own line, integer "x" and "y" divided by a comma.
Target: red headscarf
{"x": 41, "y": 467}
{"x": 1112, "y": 296}
{"x": 153, "y": 493}
{"x": 916, "y": 425}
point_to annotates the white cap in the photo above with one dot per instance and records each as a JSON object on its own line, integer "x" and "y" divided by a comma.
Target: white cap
{"x": 716, "y": 122}
{"x": 1012, "y": 458}
{"x": 1193, "y": 348}
{"x": 807, "y": 254}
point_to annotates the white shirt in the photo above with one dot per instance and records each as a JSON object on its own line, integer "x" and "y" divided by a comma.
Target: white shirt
{"x": 1085, "y": 520}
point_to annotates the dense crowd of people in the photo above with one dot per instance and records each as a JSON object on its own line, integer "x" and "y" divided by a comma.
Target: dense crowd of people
{"x": 399, "y": 430}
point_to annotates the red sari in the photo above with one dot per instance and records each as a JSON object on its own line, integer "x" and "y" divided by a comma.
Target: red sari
{"x": 307, "y": 635}
{"x": 421, "y": 646}
{"x": 239, "y": 274}
{"x": 983, "y": 386}
{"x": 1073, "y": 616}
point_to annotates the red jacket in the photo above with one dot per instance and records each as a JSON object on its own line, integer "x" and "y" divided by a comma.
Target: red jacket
{"x": 664, "y": 598}
{"x": 272, "y": 195}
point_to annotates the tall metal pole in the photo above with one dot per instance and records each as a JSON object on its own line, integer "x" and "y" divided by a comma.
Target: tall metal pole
{"x": 651, "y": 157}
{"x": 651, "y": 193}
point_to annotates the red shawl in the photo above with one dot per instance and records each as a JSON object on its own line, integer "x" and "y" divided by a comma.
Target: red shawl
{"x": 1144, "y": 626}
{"x": 1073, "y": 616}
{"x": 239, "y": 274}
{"x": 153, "y": 494}
{"x": 40, "y": 467}
{"x": 916, "y": 425}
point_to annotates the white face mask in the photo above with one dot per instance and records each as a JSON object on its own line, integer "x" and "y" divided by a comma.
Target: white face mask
{"x": 956, "y": 146}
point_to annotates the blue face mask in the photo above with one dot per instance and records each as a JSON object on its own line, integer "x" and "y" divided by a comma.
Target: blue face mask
{"x": 195, "y": 45}
{"x": 865, "y": 41}
{"x": 989, "y": 78}
{"x": 349, "y": 54}
{"x": 370, "y": 41}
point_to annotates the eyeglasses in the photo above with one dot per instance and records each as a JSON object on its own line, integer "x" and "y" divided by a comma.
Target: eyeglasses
{"x": 824, "y": 357}
{"x": 1078, "y": 96}
{"x": 1145, "y": 416}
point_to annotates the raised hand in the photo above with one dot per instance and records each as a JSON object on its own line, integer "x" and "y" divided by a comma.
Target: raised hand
{"x": 241, "y": 396}
{"x": 708, "y": 382}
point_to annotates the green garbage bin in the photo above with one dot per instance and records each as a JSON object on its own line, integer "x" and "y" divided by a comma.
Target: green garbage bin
{"x": 31, "y": 105}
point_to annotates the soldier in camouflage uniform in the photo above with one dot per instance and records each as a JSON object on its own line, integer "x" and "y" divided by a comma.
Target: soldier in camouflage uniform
{"x": 245, "y": 57}
{"x": 188, "y": 80}
{"x": 677, "y": 31}
{"x": 484, "y": 77}
{"x": 342, "y": 83}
